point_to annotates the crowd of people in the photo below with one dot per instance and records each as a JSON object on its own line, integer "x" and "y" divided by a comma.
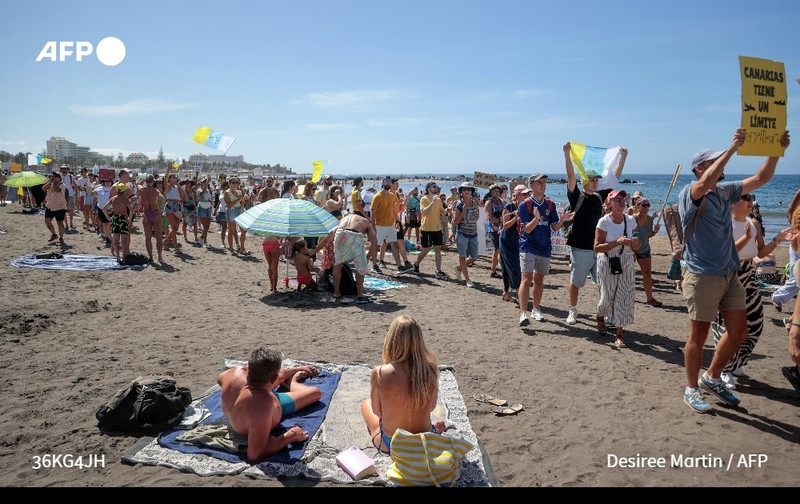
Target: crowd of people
{"x": 607, "y": 233}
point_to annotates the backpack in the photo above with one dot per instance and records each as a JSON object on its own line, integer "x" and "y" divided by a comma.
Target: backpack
{"x": 347, "y": 283}
{"x": 145, "y": 405}
{"x": 529, "y": 205}
{"x": 135, "y": 259}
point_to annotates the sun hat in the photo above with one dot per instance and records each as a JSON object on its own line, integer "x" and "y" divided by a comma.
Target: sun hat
{"x": 590, "y": 174}
{"x": 641, "y": 201}
{"x": 429, "y": 185}
{"x": 617, "y": 193}
{"x": 466, "y": 185}
{"x": 705, "y": 155}
{"x": 521, "y": 189}
{"x": 537, "y": 176}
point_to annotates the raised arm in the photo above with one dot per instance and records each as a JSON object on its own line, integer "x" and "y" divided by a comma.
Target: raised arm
{"x": 571, "y": 180}
{"x": 711, "y": 175}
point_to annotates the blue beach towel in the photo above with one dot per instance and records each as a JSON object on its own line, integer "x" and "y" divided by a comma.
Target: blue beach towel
{"x": 309, "y": 419}
{"x": 374, "y": 283}
{"x": 74, "y": 262}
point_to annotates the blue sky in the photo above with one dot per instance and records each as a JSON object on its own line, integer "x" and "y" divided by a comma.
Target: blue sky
{"x": 397, "y": 87}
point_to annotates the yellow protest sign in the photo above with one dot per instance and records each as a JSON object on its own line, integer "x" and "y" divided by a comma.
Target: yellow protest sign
{"x": 763, "y": 106}
{"x": 15, "y": 168}
{"x": 484, "y": 180}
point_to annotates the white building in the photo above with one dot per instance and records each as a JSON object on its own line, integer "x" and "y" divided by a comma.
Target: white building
{"x": 59, "y": 148}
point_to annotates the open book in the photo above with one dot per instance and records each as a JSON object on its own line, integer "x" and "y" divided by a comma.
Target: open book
{"x": 356, "y": 463}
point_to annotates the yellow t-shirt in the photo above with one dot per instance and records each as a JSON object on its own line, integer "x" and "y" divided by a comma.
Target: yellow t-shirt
{"x": 382, "y": 209}
{"x": 433, "y": 220}
{"x": 355, "y": 198}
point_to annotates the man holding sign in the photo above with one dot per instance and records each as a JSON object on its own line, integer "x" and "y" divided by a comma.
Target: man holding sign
{"x": 711, "y": 281}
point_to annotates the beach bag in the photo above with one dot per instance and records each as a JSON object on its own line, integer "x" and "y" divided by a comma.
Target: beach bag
{"x": 426, "y": 459}
{"x": 145, "y": 405}
{"x": 135, "y": 259}
{"x": 347, "y": 283}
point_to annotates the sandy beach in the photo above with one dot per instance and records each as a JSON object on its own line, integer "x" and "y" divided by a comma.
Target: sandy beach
{"x": 595, "y": 415}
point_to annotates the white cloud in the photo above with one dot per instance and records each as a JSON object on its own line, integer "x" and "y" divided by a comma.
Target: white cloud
{"x": 146, "y": 106}
{"x": 329, "y": 126}
{"x": 364, "y": 99}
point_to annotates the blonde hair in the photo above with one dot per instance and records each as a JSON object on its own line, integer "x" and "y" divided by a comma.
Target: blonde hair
{"x": 404, "y": 344}
{"x": 796, "y": 228}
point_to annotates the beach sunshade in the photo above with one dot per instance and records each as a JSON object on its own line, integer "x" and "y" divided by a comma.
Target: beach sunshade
{"x": 287, "y": 217}
{"x": 25, "y": 179}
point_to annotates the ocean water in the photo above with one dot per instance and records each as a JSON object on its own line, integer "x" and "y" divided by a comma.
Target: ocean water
{"x": 773, "y": 198}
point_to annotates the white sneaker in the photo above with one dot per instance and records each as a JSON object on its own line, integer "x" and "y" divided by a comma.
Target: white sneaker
{"x": 739, "y": 372}
{"x": 728, "y": 380}
{"x": 537, "y": 315}
{"x": 458, "y": 274}
{"x": 572, "y": 318}
{"x": 470, "y": 284}
{"x": 524, "y": 320}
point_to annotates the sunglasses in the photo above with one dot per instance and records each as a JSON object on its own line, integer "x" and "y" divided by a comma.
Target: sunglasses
{"x": 645, "y": 204}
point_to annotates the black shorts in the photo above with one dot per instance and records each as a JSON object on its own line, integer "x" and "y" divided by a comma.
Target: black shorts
{"x": 496, "y": 240}
{"x": 58, "y": 214}
{"x": 102, "y": 216}
{"x": 400, "y": 231}
{"x": 430, "y": 239}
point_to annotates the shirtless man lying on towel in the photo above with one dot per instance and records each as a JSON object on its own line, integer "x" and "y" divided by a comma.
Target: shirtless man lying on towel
{"x": 254, "y": 409}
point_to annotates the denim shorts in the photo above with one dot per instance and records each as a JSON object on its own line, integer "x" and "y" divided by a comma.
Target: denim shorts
{"x": 232, "y": 213}
{"x": 582, "y": 263}
{"x": 203, "y": 213}
{"x": 467, "y": 246}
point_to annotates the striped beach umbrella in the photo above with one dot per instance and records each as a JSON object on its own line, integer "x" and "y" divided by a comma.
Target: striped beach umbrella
{"x": 287, "y": 217}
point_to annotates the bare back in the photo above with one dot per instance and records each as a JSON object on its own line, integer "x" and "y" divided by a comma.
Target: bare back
{"x": 247, "y": 408}
{"x": 391, "y": 400}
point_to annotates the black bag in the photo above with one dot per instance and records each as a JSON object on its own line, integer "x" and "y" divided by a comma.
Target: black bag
{"x": 135, "y": 259}
{"x": 347, "y": 284}
{"x": 148, "y": 405}
{"x": 615, "y": 265}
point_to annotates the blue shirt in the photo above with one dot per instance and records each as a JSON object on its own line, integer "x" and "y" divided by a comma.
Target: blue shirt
{"x": 710, "y": 249}
{"x": 537, "y": 241}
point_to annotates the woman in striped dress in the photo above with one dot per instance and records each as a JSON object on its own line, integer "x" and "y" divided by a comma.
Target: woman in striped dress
{"x": 616, "y": 237}
{"x": 749, "y": 244}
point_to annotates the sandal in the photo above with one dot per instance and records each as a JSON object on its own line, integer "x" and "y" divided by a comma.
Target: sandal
{"x": 489, "y": 399}
{"x": 509, "y": 410}
{"x": 620, "y": 343}
{"x": 53, "y": 237}
{"x": 601, "y": 325}
{"x": 506, "y": 296}
{"x": 653, "y": 302}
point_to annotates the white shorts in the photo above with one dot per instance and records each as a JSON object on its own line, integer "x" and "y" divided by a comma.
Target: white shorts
{"x": 386, "y": 234}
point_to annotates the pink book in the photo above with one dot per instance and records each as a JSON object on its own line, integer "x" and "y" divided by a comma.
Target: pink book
{"x": 356, "y": 463}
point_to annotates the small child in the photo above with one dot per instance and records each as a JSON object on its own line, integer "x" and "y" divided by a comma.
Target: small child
{"x": 304, "y": 264}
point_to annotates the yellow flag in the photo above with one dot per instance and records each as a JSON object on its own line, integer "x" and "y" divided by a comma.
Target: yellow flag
{"x": 318, "y": 167}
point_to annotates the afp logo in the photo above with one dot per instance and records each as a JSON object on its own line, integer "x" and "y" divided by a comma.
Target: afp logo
{"x": 110, "y": 51}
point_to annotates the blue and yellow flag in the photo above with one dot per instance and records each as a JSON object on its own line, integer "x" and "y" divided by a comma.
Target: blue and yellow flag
{"x": 208, "y": 137}
{"x": 600, "y": 160}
